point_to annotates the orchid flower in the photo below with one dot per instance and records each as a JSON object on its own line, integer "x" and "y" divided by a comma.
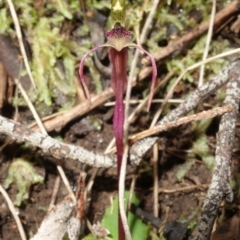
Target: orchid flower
{"x": 118, "y": 41}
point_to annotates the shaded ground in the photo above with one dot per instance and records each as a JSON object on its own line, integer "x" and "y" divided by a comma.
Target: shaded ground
{"x": 180, "y": 198}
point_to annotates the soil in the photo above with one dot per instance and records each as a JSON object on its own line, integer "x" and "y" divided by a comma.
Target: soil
{"x": 179, "y": 199}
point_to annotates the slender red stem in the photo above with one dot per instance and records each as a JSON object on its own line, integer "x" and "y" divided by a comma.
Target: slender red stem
{"x": 119, "y": 82}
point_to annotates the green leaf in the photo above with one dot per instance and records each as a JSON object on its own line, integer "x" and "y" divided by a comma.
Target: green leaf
{"x": 138, "y": 229}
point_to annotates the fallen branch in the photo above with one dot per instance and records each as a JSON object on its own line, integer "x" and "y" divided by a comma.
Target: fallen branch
{"x": 220, "y": 189}
{"x": 52, "y": 146}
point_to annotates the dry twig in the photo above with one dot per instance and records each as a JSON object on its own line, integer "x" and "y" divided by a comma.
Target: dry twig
{"x": 195, "y": 117}
{"x": 183, "y": 189}
{"x": 13, "y": 211}
{"x": 208, "y": 41}
{"x": 20, "y": 39}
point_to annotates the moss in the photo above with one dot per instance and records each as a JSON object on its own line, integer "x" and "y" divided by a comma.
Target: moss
{"x": 53, "y": 54}
{"x": 22, "y": 173}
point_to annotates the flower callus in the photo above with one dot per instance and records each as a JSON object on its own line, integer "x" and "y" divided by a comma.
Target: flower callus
{"x": 119, "y": 37}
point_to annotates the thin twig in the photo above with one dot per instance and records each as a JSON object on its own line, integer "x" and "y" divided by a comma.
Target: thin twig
{"x": 121, "y": 191}
{"x": 155, "y": 156}
{"x": 131, "y": 191}
{"x": 31, "y": 107}
{"x": 208, "y": 41}
{"x": 13, "y": 211}
{"x": 66, "y": 183}
{"x": 54, "y": 192}
{"x": 183, "y": 189}
{"x": 195, "y": 117}
{"x": 20, "y": 40}
{"x": 155, "y": 180}
{"x": 139, "y": 101}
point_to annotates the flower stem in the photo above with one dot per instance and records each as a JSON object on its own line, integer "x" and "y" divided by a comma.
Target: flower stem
{"x": 119, "y": 82}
